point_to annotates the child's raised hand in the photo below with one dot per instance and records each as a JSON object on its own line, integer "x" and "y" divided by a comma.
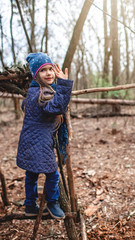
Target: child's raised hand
{"x": 59, "y": 73}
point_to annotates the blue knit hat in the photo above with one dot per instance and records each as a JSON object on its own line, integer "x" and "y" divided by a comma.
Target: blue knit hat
{"x": 37, "y": 61}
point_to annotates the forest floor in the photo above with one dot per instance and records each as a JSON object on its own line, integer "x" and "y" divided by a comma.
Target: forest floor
{"x": 103, "y": 161}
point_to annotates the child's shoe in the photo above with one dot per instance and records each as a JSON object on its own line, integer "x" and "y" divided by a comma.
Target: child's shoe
{"x": 55, "y": 210}
{"x": 34, "y": 210}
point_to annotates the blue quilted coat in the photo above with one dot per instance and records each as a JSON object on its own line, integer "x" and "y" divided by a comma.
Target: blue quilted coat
{"x": 36, "y": 143}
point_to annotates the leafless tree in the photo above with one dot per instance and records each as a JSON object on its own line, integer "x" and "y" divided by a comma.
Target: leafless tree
{"x": 76, "y": 34}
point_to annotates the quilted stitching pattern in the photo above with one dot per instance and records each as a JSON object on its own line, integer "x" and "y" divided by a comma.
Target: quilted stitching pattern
{"x": 36, "y": 143}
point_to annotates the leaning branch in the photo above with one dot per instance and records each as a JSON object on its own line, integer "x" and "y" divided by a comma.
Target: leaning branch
{"x": 103, "y": 89}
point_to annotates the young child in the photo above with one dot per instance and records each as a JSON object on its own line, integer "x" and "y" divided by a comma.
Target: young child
{"x": 43, "y": 108}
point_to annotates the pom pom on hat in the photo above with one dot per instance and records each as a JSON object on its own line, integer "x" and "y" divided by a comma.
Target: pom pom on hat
{"x": 37, "y": 61}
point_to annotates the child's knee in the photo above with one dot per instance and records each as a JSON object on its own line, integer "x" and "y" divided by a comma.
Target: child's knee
{"x": 54, "y": 176}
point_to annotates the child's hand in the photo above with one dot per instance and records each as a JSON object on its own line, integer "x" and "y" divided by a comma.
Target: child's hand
{"x": 59, "y": 73}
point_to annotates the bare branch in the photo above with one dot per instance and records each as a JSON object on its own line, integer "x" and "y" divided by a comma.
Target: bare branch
{"x": 103, "y": 89}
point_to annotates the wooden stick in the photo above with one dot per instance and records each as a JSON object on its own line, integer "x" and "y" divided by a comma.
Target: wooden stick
{"x": 69, "y": 222}
{"x": 61, "y": 167}
{"x": 103, "y": 89}
{"x": 83, "y": 228}
{"x": 103, "y": 101}
{"x": 22, "y": 216}
{"x": 39, "y": 216}
{"x": 73, "y": 197}
{"x": 4, "y": 189}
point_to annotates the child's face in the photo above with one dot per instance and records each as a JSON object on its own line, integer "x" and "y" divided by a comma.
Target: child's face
{"x": 46, "y": 74}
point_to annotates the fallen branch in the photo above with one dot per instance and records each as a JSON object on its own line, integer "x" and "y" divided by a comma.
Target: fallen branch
{"x": 100, "y": 115}
{"x": 103, "y": 101}
{"x": 83, "y": 228}
{"x": 22, "y": 216}
{"x": 103, "y": 89}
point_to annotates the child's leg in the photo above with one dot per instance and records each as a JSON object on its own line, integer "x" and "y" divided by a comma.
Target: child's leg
{"x": 52, "y": 195}
{"x": 31, "y": 188}
{"x": 52, "y": 188}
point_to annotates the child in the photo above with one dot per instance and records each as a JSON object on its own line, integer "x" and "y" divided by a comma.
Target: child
{"x": 43, "y": 115}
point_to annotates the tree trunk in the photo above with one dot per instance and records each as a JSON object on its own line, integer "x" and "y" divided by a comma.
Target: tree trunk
{"x": 46, "y": 32}
{"x": 76, "y": 35}
{"x": 106, "y": 51}
{"x": 11, "y": 33}
{"x": 33, "y": 43}
{"x": 115, "y": 44}
{"x": 24, "y": 27}
{"x": 115, "y": 50}
{"x": 127, "y": 43}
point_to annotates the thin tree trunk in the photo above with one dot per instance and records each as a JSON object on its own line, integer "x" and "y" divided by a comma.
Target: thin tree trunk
{"x": 46, "y": 32}
{"x": 115, "y": 50}
{"x": 76, "y": 34}
{"x": 15, "y": 100}
{"x": 127, "y": 43}
{"x": 33, "y": 44}
{"x": 1, "y": 51}
{"x": 24, "y": 27}
{"x": 115, "y": 44}
{"x": 106, "y": 53}
{"x": 11, "y": 33}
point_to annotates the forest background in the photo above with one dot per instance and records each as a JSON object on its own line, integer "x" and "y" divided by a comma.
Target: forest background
{"x": 104, "y": 51}
{"x": 96, "y": 41}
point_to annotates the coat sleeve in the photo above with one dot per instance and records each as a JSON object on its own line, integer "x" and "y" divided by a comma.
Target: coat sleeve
{"x": 58, "y": 104}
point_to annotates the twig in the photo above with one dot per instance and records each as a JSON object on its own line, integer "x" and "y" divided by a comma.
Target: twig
{"x": 127, "y": 218}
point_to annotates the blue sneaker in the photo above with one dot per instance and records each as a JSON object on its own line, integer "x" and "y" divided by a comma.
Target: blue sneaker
{"x": 34, "y": 210}
{"x": 55, "y": 210}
